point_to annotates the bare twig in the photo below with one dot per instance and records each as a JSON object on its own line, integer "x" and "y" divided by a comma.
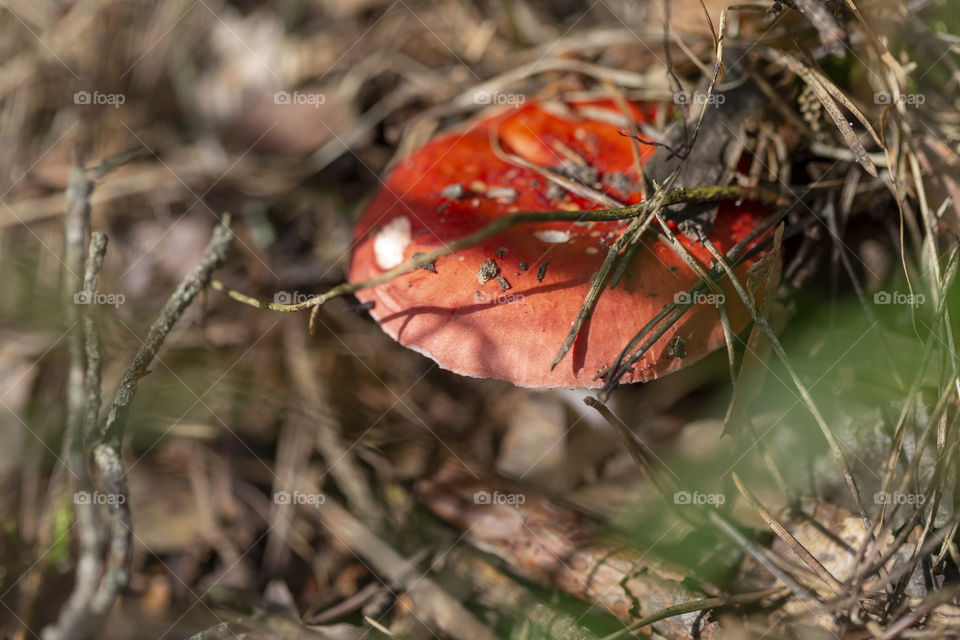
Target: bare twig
{"x": 91, "y": 335}
{"x": 79, "y": 617}
{"x": 97, "y": 585}
{"x": 639, "y": 210}
{"x": 75, "y": 616}
{"x": 213, "y": 257}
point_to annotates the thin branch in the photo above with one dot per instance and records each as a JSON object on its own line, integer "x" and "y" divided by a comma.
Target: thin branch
{"x": 213, "y": 258}
{"x": 641, "y": 209}
{"x": 91, "y": 335}
{"x": 97, "y": 585}
{"x": 83, "y": 397}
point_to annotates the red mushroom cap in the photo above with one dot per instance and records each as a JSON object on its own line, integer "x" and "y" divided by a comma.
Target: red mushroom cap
{"x": 502, "y": 308}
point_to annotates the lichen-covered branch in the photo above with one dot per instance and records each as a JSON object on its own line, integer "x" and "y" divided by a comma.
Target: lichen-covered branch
{"x": 712, "y": 193}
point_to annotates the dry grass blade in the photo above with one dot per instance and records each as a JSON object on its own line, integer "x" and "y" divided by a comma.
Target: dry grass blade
{"x": 829, "y": 94}
{"x": 654, "y": 329}
{"x": 569, "y": 184}
{"x": 759, "y": 554}
{"x": 878, "y": 43}
{"x": 634, "y": 445}
{"x": 597, "y": 285}
{"x": 801, "y": 388}
{"x": 933, "y": 601}
{"x": 788, "y": 539}
{"x": 832, "y": 34}
{"x": 749, "y": 380}
{"x": 670, "y": 239}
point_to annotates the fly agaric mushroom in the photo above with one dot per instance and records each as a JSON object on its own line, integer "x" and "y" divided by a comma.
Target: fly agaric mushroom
{"x": 502, "y": 307}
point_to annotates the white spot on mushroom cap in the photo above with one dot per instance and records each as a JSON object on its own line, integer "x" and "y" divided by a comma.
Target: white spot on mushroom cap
{"x": 391, "y": 241}
{"x": 552, "y": 236}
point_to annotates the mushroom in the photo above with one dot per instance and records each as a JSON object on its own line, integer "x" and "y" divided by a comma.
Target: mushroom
{"x": 502, "y": 307}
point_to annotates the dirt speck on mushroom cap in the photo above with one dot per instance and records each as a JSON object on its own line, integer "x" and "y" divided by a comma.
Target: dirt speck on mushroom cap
{"x": 516, "y": 337}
